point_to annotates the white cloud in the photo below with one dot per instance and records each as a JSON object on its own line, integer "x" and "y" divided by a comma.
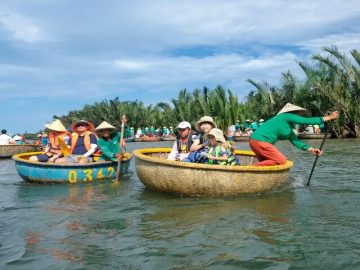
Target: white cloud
{"x": 229, "y": 70}
{"x": 343, "y": 41}
{"x": 21, "y": 27}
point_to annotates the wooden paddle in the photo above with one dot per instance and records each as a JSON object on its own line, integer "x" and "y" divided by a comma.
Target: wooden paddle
{"x": 317, "y": 156}
{"x": 123, "y": 122}
{"x": 64, "y": 148}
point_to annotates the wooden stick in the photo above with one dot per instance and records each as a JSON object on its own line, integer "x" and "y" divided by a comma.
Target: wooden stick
{"x": 317, "y": 156}
{"x": 123, "y": 121}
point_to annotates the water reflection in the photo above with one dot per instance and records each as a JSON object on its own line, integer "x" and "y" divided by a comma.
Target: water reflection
{"x": 186, "y": 214}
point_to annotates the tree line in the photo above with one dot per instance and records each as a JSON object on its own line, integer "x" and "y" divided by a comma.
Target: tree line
{"x": 331, "y": 83}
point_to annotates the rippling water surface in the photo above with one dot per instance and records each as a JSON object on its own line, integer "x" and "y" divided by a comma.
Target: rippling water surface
{"x": 122, "y": 225}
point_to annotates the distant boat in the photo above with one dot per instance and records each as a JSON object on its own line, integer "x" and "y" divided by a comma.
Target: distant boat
{"x": 150, "y": 139}
{"x": 241, "y": 138}
{"x": 168, "y": 138}
{"x": 205, "y": 180}
{"x": 46, "y": 172}
{"x": 312, "y": 136}
{"x": 8, "y": 150}
{"x": 129, "y": 139}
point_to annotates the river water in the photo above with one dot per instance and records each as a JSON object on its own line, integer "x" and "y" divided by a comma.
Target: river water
{"x": 122, "y": 225}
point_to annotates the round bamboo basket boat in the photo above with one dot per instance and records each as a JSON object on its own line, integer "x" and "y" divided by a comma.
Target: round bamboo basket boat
{"x": 204, "y": 180}
{"x": 7, "y": 151}
{"x": 168, "y": 138}
{"x": 46, "y": 172}
{"x": 150, "y": 139}
{"x": 241, "y": 138}
{"x": 312, "y": 136}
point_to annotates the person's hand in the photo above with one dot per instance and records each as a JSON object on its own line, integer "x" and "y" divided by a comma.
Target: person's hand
{"x": 118, "y": 156}
{"x": 331, "y": 116}
{"x": 206, "y": 155}
{"x": 123, "y": 143}
{"x": 315, "y": 151}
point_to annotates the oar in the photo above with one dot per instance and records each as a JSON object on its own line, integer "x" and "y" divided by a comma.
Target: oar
{"x": 317, "y": 156}
{"x": 123, "y": 121}
{"x": 64, "y": 148}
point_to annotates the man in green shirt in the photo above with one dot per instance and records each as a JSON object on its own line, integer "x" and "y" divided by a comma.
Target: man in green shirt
{"x": 108, "y": 142}
{"x": 280, "y": 127}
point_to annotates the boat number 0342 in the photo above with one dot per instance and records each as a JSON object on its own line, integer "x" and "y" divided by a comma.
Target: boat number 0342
{"x": 90, "y": 175}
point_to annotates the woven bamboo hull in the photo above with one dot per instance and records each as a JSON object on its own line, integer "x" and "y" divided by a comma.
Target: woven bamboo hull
{"x": 203, "y": 180}
{"x": 7, "y": 151}
{"x": 138, "y": 139}
{"x": 168, "y": 138}
{"x": 43, "y": 172}
{"x": 312, "y": 136}
{"x": 241, "y": 138}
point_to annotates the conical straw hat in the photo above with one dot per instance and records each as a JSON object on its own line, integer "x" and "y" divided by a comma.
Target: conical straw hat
{"x": 290, "y": 108}
{"x": 56, "y": 126}
{"x": 104, "y": 125}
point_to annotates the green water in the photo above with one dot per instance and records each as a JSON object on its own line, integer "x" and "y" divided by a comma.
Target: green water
{"x": 125, "y": 226}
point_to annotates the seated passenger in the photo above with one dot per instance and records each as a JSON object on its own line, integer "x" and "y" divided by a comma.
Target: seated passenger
{"x": 38, "y": 140}
{"x": 108, "y": 142}
{"x": 220, "y": 151}
{"x": 44, "y": 138}
{"x": 18, "y": 139}
{"x": 183, "y": 142}
{"x": 52, "y": 149}
{"x": 5, "y": 139}
{"x": 199, "y": 148}
{"x": 83, "y": 144}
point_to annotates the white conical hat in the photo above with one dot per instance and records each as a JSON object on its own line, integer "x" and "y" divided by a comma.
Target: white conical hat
{"x": 56, "y": 126}
{"x": 104, "y": 125}
{"x": 290, "y": 108}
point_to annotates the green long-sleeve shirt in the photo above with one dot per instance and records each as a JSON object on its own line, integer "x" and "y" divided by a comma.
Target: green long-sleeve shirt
{"x": 109, "y": 147}
{"x": 280, "y": 128}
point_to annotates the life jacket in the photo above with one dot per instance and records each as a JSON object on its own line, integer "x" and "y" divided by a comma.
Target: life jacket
{"x": 87, "y": 143}
{"x": 54, "y": 142}
{"x": 188, "y": 143}
{"x": 215, "y": 151}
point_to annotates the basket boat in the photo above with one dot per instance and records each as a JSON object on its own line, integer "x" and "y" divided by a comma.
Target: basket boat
{"x": 9, "y": 150}
{"x": 312, "y": 136}
{"x": 241, "y": 138}
{"x": 204, "y": 180}
{"x": 168, "y": 138}
{"x": 150, "y": 139}
{"x": 44, "y": 172}
{"x": 138, "y": 139}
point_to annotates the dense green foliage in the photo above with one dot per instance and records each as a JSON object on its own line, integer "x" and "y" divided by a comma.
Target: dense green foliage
{"x": 333, "y": 83}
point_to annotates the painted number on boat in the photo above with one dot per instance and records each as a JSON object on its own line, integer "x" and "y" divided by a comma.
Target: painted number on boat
{"x": 89, "y": 175}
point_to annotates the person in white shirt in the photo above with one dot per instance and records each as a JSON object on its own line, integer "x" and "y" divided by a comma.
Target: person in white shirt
{"x": 4, "y": 138}
{"x": 183, "y": 142}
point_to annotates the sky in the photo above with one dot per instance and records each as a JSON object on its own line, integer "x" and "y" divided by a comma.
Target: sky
{"x": 58, "y": 55}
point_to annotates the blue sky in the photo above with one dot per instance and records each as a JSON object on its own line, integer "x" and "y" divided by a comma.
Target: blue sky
{"x": 56, "y": 56}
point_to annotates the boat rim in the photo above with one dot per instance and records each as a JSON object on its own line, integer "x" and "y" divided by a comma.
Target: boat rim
{"x": 141, "y": 154}
{"x": 19, "y": 158}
